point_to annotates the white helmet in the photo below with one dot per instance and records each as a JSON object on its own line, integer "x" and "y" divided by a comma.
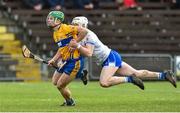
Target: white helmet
{"x": 81, "y": 21}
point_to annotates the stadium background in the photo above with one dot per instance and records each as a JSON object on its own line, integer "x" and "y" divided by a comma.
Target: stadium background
{"x": 147, "y": 36}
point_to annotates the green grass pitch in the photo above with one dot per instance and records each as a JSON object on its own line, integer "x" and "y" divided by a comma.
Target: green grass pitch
{"x": 44, "y": 97}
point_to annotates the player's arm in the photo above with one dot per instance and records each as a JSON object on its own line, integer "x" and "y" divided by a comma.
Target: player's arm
{"x": 82, "y": 32}
{"x": 79, "y": 31}
{"x": 84, "y": 50}
{"x": 55, "y": 58}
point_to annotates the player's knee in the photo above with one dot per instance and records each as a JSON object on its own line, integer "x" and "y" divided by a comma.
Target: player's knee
{"x": 145, "y": 72}
{"x": 104, "y": 84}
{"x": 54, "y": 83}
{"x": 60, "y": 85}
{"x": 141, "y": 73}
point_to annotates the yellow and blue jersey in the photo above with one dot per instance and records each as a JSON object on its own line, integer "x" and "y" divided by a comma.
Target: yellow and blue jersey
{"x": 74, "y": 62}
{"x": 62, "y": 37}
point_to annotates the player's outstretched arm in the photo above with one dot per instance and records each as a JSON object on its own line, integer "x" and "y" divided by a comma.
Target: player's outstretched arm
{"x": 84, "y": 50}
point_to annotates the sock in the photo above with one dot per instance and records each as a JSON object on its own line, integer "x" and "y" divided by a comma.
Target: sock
{"x": 128, "y": 79}
{"x": 161, "y": 76}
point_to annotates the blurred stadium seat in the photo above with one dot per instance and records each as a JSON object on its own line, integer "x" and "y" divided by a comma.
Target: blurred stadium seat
{"x": 12, "y": 65}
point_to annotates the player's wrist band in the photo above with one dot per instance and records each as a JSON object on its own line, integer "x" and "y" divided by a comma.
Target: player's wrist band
{"x": 79, "y": 45}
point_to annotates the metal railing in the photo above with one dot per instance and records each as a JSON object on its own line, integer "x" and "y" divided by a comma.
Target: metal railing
{"x": 12, "y": 67}
{"x": 153, "y": 62}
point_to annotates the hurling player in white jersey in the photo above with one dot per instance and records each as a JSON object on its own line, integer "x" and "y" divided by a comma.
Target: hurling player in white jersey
{"x": 111, "y": 61}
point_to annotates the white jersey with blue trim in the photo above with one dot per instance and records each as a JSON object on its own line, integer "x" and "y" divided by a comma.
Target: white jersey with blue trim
{"x": 101, "y": 51}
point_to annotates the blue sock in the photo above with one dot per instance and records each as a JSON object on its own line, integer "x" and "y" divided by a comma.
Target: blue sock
{"x": 129, "y": 79}
{"x": 161, "y": 76}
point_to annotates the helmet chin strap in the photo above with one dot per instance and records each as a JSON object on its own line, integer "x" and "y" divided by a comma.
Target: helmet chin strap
{"x": 56, "y": 26}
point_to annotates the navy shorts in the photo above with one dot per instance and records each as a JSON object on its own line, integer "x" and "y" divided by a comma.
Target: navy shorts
{"x": 73, "y": 67}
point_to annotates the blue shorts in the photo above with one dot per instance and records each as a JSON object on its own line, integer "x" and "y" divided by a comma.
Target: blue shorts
{"x": 114, "y": 59}
{"x": 73, "y": 67}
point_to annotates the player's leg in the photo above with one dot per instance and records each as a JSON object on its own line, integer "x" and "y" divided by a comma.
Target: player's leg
{"x": 62, "y": 83}
{"x": 84, "y": 74}
{"x": 65, "y": 92}
{"x": 127, "y": 70}
{"x": 84, "y": 77}
{"x": 106, "y": 77}
{"x": 71, "y": 70}
{"x": 56, "y": 77}
{"x": 110, "y": 66}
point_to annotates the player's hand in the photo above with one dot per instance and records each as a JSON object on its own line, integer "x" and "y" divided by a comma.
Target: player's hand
{"x": 60, "y": 63}
{"x": 71, "y": 49}
{"x": 51, "y": 62}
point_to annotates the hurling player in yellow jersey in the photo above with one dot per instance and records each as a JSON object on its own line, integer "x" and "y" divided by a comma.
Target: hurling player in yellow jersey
{"x": 73, "y": 67}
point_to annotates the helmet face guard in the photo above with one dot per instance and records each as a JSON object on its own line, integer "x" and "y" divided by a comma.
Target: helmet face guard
{"x": 51, "y": 21}
{"x": 54, "y": 18}
{"x": 81, "y": 21}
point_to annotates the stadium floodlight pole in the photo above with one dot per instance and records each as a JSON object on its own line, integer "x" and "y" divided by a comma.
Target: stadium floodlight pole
{"x": 28, "y": 54}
